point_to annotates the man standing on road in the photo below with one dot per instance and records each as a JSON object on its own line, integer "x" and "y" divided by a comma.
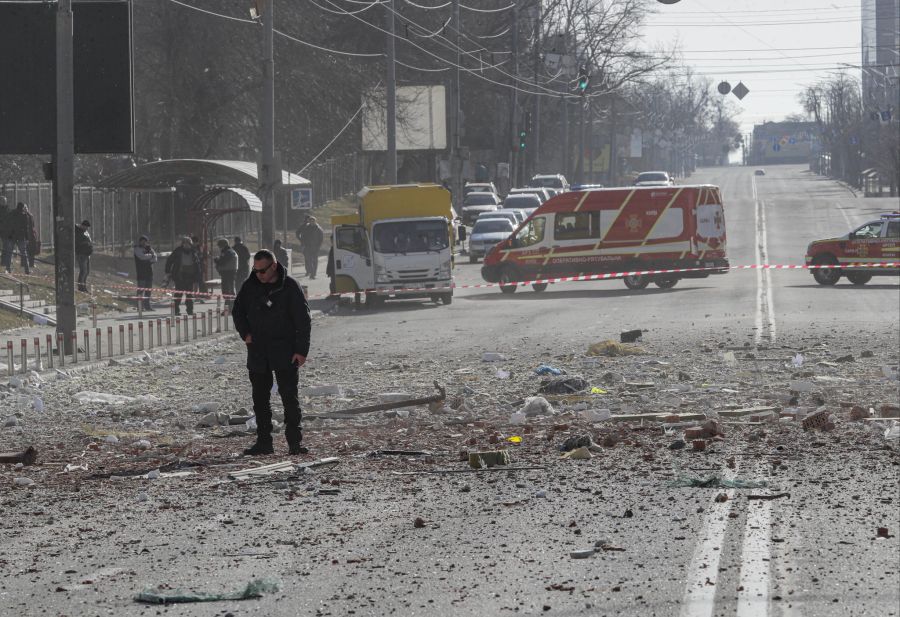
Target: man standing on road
{"x": 144, "y": 258}
{"x": 84, "y": 247}
{"x": 311, "y": 236}
{"x": 272, "y": 317}
{"x": 226, "y": 266}
{"x": 243, "y": 269}
{"x": 183, "y": 267}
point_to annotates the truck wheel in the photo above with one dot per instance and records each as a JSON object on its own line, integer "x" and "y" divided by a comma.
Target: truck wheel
{"x": 826, "y": 276}
{"x": 666, "y": 283}
{"x": 539, "y": 287}
{"x": 859, "y": 278}
{"x": 507, "y": 276}
{"x": 473, "y": 259}
{"x": 636, "y": 281}
{"x": 447, "y": 298}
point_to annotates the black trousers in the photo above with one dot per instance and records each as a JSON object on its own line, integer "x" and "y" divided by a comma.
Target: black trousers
{"x": 182, "y": 285}
{"x": 287, "y": 388}
{"x": 228, "y": 287}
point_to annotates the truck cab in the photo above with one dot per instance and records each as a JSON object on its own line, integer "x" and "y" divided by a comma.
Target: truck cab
{"x": 398, "y": 245}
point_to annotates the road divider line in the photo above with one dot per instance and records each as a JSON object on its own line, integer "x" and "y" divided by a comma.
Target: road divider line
{"x": 756, "y": 558}
{"x": 703, "y": 573}
{"x": 767, "y": 277}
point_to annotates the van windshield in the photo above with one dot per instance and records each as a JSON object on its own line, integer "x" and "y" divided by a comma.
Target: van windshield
{"x": 411, "y": 237}
{"x": 653, "y": 176}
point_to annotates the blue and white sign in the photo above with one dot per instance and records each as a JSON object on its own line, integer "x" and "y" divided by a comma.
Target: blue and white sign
{"x": 301, "y": 199}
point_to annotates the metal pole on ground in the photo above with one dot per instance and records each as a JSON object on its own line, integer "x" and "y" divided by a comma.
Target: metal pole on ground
{"x": 61, "y": 348}
{"x": 24, "y": 357}
{"x": 131, "y": 338}
{"x": 10, "y": 360}
{"x": 140, "y": 336}
{"x": 37, "y": 353}
{"x": 49, "y": 351}
{"x": 121, "y": 339}
{"x": 98, "y": 342}
{"x": 109, "y": 341}
{"x": 74, "y": 338}
{"x": 87, "y": 345}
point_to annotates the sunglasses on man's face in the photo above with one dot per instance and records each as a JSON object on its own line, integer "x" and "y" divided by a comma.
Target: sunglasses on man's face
{"x": 261, "y": 270}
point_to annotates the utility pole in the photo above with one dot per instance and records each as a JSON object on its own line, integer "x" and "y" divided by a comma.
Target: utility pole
{"x": 455, "y": 119}
{"x": 536, "y": 142}
{"x": 579, "y": 165}
{"x": 613, "y": 146}
{"x": 391, "y": 98}
{"x": 514, "y": 153}
{"x": 565, "y": 136}
{"x": 267, "y": 125}
{"x": 64, "y": 176}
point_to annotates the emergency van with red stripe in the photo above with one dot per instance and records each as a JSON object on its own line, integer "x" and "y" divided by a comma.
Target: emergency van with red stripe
{"x": 848, "y": 255}
{"x": 616, "y": 230}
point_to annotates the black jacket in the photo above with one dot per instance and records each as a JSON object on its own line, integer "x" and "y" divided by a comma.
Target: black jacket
{"x": 277, "y": 317}
{"x": 243, "y": 253}
{"x": 176, "y": 271}
{"x": 83, "y": 243}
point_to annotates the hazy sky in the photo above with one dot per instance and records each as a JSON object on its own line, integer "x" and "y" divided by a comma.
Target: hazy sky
{"x": 775, "y": 47}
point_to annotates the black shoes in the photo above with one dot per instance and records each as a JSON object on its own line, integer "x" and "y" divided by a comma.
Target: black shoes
{"x": 296, "y": 448}
{"x": 260, "y": 448}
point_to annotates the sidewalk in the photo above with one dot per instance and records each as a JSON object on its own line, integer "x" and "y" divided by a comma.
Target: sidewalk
{"x": 134, "y": 331}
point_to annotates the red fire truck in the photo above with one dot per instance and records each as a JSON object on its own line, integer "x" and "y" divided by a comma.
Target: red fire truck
{"x": 616, "y": 230}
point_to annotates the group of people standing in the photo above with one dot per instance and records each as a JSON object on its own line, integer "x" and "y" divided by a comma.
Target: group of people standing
{"x": 17, "y": 233}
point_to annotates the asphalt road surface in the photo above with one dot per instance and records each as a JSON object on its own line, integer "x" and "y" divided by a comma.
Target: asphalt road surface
{"x": 497, "y": 544}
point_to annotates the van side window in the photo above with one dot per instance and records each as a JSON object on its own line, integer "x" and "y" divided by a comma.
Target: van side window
{"x": 893, "y": 230}
{"x": 532, "y": 233}
{"x": 572, "y": 226}
{"x": 352, "y": 239}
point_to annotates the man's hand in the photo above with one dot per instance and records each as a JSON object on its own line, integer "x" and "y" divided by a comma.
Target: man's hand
{"x": 248, "y": 339}
{"x": 298, "y": 360}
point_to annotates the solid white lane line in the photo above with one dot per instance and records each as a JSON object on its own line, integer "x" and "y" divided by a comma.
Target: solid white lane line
{"x": 767, "y": 276}
{"x": 756, "y": 558}
{"x": 703, "y": 573}
{"x": 758, "y": 333}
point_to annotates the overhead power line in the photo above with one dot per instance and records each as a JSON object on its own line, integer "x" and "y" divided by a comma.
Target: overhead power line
{"x": 473, "y": 9}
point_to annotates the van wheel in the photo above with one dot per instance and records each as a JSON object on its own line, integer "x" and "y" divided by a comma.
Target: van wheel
{"x": 447, "y": 298}
{"x": 859, "y": 278}
{"x": 826, "y": 276}
{"x": 507, "y": 280}
{"x": 666, "y": 283}
{"x": 539, "y": 287}
{"x": 636, "y": 281}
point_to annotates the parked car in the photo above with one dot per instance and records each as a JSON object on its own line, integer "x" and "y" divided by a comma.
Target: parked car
{"x": 556, "y": 181}
{"x": 476, "y": 203}
{"x": 759, "y": 172}
{"x": 874, "y": 242}
{"x": 526, "y": 202}
{"x": 515, "y": 216}
{"x": 654, "y": 178}
{"x": 479, "y": 187}
{"x": 542, "y": 193}
{"x": 485, "y": 234}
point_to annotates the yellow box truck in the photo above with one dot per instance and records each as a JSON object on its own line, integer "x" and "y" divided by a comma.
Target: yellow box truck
{"x": 399, "y": 244}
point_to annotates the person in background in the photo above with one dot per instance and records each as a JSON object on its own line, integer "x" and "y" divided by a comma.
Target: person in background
{"x": 183, "y": 267}
{"x": 202, "y": 255}
{"x": 227, "y": 265}
{"x": 281, "y": 255}
{"x": 84, "y": 248}
{"x": 329, "y": 270}
{"x": 33, "y": 241}
{"x": 310, "y": 236}
{"x": 144, "y": 258}
{"x": 243, "y": 253}
{"x": 272, "y": 317}
{"x": 5, "y": 234}
{"x": 19, "y": 227}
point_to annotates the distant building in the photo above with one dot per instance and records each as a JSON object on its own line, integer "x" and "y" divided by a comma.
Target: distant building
{"x": 784, "y": 142}
{"x": 881, "y": 55}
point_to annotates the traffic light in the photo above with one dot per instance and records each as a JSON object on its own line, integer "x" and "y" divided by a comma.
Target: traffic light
{"x": 523, "y": 134}
{"x": 584, "y": 79}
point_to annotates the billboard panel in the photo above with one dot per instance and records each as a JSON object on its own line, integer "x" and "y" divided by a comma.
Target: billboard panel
{"x": 421, "y": 119}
